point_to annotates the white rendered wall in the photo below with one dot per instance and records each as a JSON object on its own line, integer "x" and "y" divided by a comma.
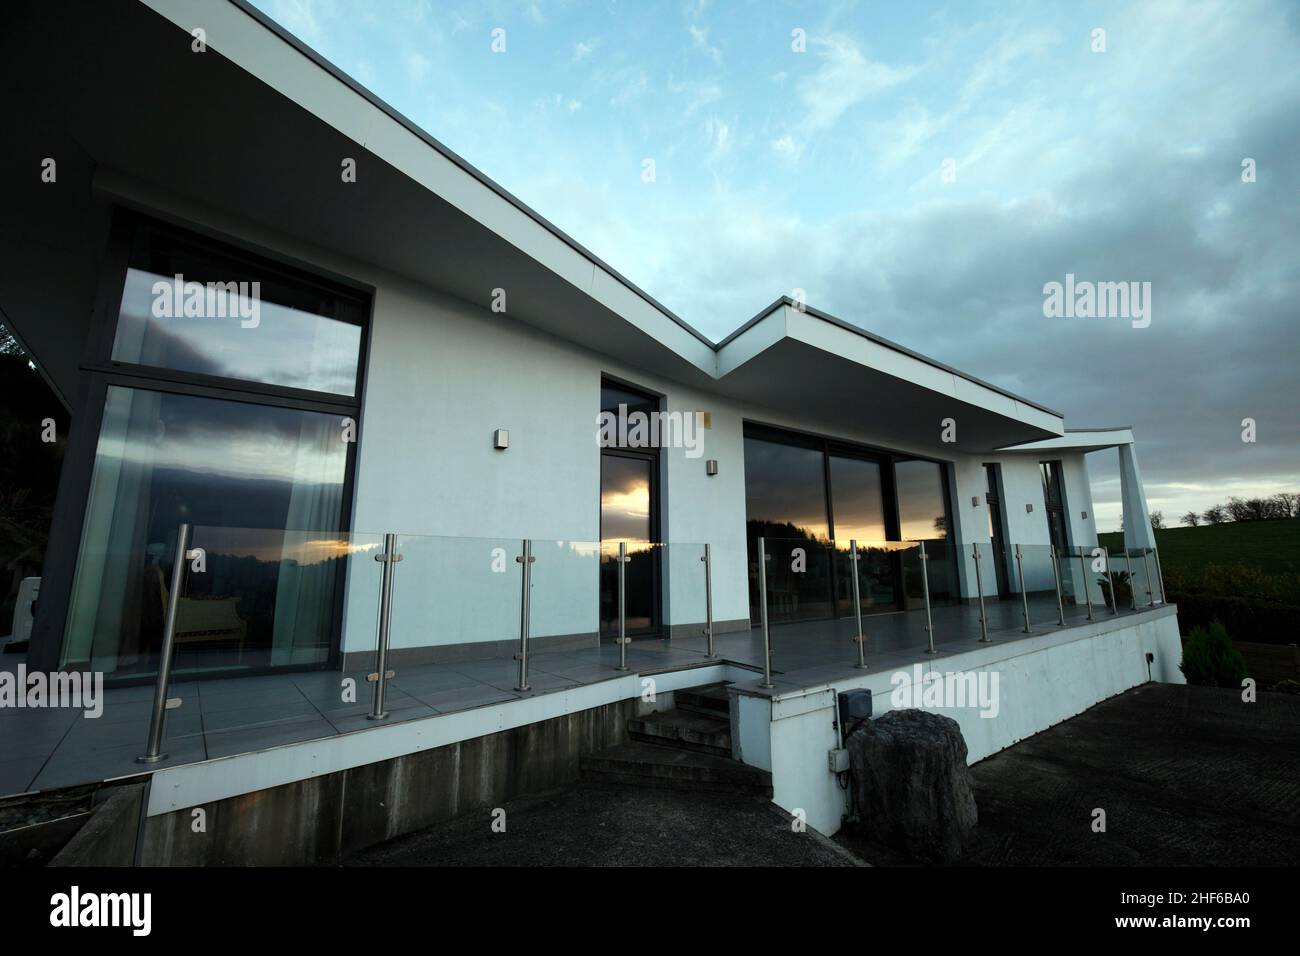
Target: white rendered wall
{"x": 444, "y": 375}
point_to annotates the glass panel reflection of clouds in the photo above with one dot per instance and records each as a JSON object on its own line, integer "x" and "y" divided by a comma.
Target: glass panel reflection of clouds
{"x": 625, "y": 502}
{"x": 166, "y": 458}
{"x": 288, "y": 346}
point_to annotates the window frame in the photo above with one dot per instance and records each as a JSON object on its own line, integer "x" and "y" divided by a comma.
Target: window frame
{"x": 98, "y": 372}
{"x": 649, "y": 454}
{"x": 1052, "y": 472}
{"x": 102, "y": 359}
{"x": 887, "y": 459}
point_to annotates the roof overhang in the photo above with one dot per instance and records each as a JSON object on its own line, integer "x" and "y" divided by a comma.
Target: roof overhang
{"x": 1080, "y": 440}
{"x": 793, "y": 357}
{"x": 256, "y": 130}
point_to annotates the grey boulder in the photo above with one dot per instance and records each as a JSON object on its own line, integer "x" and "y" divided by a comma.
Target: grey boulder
{"x": 911, "y": 784}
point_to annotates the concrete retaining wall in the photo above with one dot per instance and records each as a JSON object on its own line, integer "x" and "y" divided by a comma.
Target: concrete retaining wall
{"x": 322, "y": 819}
{"x": 108, "y": 837}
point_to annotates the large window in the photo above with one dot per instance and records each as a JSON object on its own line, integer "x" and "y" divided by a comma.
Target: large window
{"x": 224, "y": 406}
{"x": 785, "y": 503}
{"x": 167, "y": 458}
{"x": 809, "y": 498}
{"x": 923, "y": 516}
{"x": 858, "y": 505}
{"x": 192, "y": 308}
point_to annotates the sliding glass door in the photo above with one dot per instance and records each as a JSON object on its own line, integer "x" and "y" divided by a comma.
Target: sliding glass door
{"x": 858, "y": 507}
{"x": 809, "y": 497}
{"x": 785, "y": 503}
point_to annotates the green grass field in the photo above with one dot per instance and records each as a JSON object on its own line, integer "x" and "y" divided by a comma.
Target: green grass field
{"x": 1272, "y": 547}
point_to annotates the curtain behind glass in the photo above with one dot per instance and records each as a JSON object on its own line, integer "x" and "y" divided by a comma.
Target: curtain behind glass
{"x": 164, "y": 458}
{"x": 116, "y": 599}
{"x": 304, "y": 597}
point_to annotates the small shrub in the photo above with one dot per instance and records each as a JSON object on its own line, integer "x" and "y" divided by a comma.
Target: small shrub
{"x": 1123, "y": 596}
{"x": 1210, "y": 660}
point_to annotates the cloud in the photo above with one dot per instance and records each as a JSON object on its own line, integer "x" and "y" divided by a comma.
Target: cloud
{"x": 416, "y": 65}
{"x": 631, "y": 88}
{"x": 700, "y": 41}
{"x": 844, "y": 77}
{"x": 720, "y": 139}
{"x": 787, "y": 148}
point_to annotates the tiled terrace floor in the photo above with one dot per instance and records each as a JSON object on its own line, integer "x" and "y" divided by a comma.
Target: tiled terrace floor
{"x": 50, "y": 748}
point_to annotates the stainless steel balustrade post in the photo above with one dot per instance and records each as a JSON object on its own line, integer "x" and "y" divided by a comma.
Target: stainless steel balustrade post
{"x": 525, "y": 559}
{"x": 1087, "y": 592}
{"x": 762, "y": 613}
{"x": 158, "y": 718}
{"x": 1024, "y": 594}
{"x": 707, "y": 558}
{"x": 1110, "y": 582}
{"x": 382, "y": 674}
{"x": 1132, "y": 581}
{"x": 1056, "y": 576}
{"x": 860, "y": 639}
{"x": 925, "y": 588}
{"x": 622, "y": 606}
{"x": 979, "y": 587}
{"x": 1146, "y": 564}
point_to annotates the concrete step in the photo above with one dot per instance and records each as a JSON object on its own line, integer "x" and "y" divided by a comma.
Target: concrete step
{"x": 640, "y": 764}
{"x": 678, "y": 728}
{"x": 708, "y": 699}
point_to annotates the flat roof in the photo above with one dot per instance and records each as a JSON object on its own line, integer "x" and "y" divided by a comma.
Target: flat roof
{"x": 465, "y": 166}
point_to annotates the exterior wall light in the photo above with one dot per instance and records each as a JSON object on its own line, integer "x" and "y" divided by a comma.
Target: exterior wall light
{"x": 1085, "y": 516}
{"x": 974, "y": 501}
{"x": 711, "y": 466}
{"x": 1029, "y": 509}
{"x": 501, "y": 439}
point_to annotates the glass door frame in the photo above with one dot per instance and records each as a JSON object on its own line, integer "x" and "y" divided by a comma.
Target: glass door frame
{"x": 649, "y": 454}
{"x": 1056, "y": 511}
{"x": 656, "y": 572}
{"x": 99, "y": 372}
{"x": 889, "y": 512}
{"x": 993, "y": 498}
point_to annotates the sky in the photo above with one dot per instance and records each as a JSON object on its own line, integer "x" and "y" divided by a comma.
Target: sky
{"x": 921, "y": 170}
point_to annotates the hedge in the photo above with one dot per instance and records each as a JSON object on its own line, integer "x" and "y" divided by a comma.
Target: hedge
{"x": 1246, "y": 619}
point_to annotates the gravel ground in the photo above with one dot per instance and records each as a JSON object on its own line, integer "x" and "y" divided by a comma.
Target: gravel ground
{"x": 589, "y": 826}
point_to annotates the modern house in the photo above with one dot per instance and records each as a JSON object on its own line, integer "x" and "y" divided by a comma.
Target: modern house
{"x": 286, "y": 318}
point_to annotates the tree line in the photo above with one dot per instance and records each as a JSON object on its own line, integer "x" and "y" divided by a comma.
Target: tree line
{"x": 1280, "y": 505}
